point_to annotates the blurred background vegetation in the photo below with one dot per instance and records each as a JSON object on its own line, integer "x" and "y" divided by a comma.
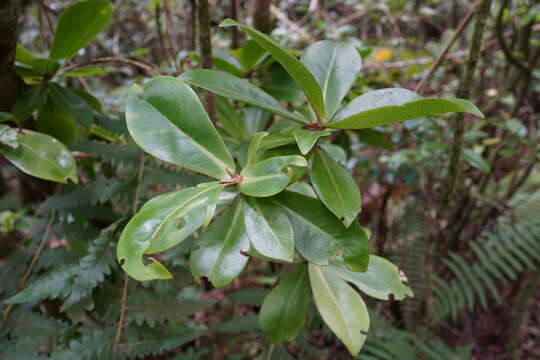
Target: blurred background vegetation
{"x": 470, "y": 249}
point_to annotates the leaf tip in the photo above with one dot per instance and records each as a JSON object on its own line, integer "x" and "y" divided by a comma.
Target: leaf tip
{"x": 228, "y": 22}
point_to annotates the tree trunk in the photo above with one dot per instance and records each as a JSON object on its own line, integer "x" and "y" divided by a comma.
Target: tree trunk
{"x": 262, "y": 19}
{"x": 205, "y": 48}
{"x": 10, "y": 84}
{"x": 191, "y": 25}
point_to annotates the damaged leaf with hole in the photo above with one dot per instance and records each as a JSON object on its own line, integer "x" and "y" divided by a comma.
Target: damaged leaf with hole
{"x": 162, "y": 223}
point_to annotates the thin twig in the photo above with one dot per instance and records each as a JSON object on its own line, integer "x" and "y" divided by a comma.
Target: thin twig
{"x": 438, "y": 61}
{"x": 123, "y": 300}
{"x": 147, "y": 68}
{"x": 30, "y": 267}
{"x": 291, "y": 25}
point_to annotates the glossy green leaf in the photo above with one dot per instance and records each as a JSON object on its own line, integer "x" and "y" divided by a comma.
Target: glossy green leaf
{"x": 340, "y": 306}
{"x": 167, "y": 120}
{"x": 306, "y": 139}
{"x": 254, "y": 149}
{"x": 163, "y": 222}
{"x": 31, "y": 100}
{"x": 294, "y": 67}
{"x": 78, "y": 25}
{"x": 55, "y": 121}
{"x": 269, "y": 230}
{"x": 23, "y": 55}
{"x": 296, "y": 172}
{"x": 226, "y": 61}
{"x": 334, "y": 186}
{"x": 85, "y": 71}
{"x": 335, "y": 67}
{"x": 220, "y": 252}
{"x": 230, "y": 121}
{"x": 277, "y": 140}
{"x": 44, "y": 67}
{"x": 318, "y": 234}
{"x": 281, "y": 85}
{"x": 230, "y": 86}
{"x": 42, "y": 156}
{"x": 72, "y": 103}
{"x": 270, "y": 176}
{"x": 389, "y": 106}
{"x": 382, "y": 280}
{"x": 250, "y": 54}
{"x": 6, "y": 116}
{"x": 283, "y": 311}
{"x": 255, "y": 119}
{"x": 8, "y": 136}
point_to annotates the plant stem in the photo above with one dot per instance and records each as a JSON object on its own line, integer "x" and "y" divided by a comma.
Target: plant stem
{"x": 522, "y": 305}
{"x": 123, "y": 301}
{"x": 464, "y": 92}
{"x": 438, "y": 61}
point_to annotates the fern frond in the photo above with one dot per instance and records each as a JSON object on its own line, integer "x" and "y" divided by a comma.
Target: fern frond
{"x": 93, "y": 193}
{"x": 498, "y": 258}
{"x": 145, "y": 307}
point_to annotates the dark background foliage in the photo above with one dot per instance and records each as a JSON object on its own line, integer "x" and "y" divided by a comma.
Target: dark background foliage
{"x": 465, "y": 230}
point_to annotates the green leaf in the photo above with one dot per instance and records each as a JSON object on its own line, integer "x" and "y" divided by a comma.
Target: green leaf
{"x": 84, "y": 71}
{"x": 23, "y": 55}
{"x": 226, "y": 61}
{"x": 171, "y": 124}
{"x": 72, "y": 103}
{"x": 230, "y": 86}
{"x": 381, "y": 279}
{"x": 334, "y": 186}
{"x": 221, "y": 248}
{"x": 335, "y": 67}
{"x": 269, "y": 230}
{"x": 231, "y": 122}
{"x": 294, "y": 67}
{"x": 42, "y": 156}
{"x": 6, "y": 116}
{"x": 340, "y": 306}
{"x": 57, "y": 122}
{"x": 255, "y": 119}
{"x": 476, "y": 160}
{"x": 8, "y": 136}
{"x": 44, "y": 67}
{"x": 306, "y": 139}
{"x": 31, "y": 100}
{"x": 270, "y": 176}
{"x": 78, "y": 25}
{"x": 318, "y": 234}
{"x": 254, "y": 149}
{"x": 164, "y": 222}
{"x": 283, "y": 311}
{"x": 250, "y": 54}
{"x": 389, "y": 106}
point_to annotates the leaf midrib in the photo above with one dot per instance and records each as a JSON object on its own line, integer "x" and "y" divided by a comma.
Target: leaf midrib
{"x": 44, "y": 158}
{"x": 283, "y": 112}
{"x": 329, "y": 73}
{"x": 290, "y": 297}
{"x": 333, "y": 181}
{"x": 186, "y": 204}
{"x": 234, "y": 221}
{"x": 335, "y": 301}
{"x": 175, "y": 128}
